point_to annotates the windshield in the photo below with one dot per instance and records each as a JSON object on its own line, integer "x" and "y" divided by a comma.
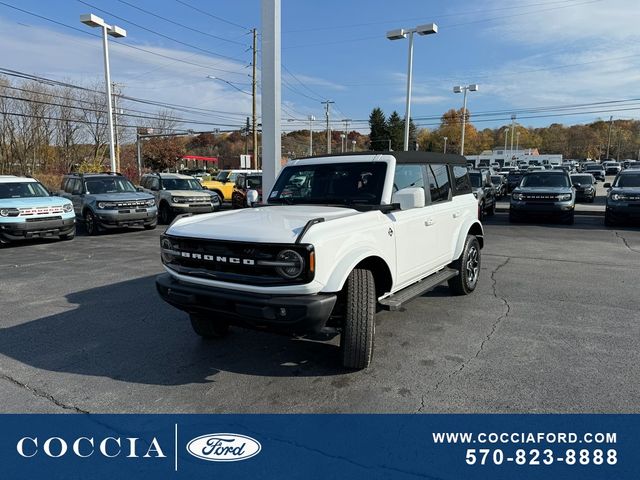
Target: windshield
{"x": 582, "y": 179}
{"x": 222, "y": 176}
{"x": 593, "y": 167}
{"x": 22, "y": 190}
{"x": 476, "y": 179}
{"x": 551, "y": 180}
{"x": 109, "y": 185}
{"x": 181, "y": 184}
{"x": 335, "y": 183}
{"x": 628, "y": 181}
{"x": 254, "y": 182}
{"x": 613, "y": 164}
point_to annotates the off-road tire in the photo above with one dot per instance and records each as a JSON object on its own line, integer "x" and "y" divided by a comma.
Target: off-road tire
{"x": 164, "y": 214}
{"x": 91, "y": 223}
{"x": 358, "y": 332}
{"x": 208, "y": 328}
{"x": 468, "y": 268}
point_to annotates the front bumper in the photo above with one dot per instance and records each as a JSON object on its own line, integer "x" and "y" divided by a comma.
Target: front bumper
{"x": 291, "y": 314}
{"x": 37, "y": 229}
{"x": 180, "y": 208}
{"x": 550, "y": 208}
{"x": 117, "y": 219}
{"x": 623, "y": 211}
{"x": 585, "y": 195}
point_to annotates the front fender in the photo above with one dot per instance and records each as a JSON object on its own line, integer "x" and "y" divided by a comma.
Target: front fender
{"x": 469, "y": 225}
{"x": 344, "y": 265}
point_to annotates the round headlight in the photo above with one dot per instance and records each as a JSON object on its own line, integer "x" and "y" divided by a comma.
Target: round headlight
{"x": 175, "y": 199}
{"x": 67, "y": 207}
{"x": 4, "y": 212}
{"x": 517, "y": 196}
{"x": 166, "y": 249}
{"x": 615, "y": 197}
{"x": 294, "y": 261}
{"x": 564, "y": 197}
{"x": 101, "y": 205}
{"x": 151, "y": 203}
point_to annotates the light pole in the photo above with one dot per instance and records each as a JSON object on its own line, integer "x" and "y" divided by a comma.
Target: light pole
{"x": 398, "y": 34}
{"x": 506, "y": 135}
{"x": 311, "y": 120}
{"x": 445, "y": 144}
{"x": 458, "y": 89}
{"x": 117, "y": 32}
{"x": 342, "y": 142}
{"x": 353, "y": 145}
{"x": 517, "y": 141}
{"x": 513, "y": 128}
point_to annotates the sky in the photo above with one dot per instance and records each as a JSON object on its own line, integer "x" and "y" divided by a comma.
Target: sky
{"x": 529, "y": 57}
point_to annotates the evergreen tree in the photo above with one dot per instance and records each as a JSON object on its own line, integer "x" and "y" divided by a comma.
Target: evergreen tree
{"x": 379, "y": 132}
{"x": 396, "y": 131}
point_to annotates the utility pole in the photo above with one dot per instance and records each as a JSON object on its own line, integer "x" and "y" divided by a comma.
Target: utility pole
{"x": 445, "y": 144}
{"x": 254, "y": 114}
{"x": 246, "y": 138}
{"x": 311, "y": 120}
{"x": 609, "y": 136}
{"x": 326, "y": 109}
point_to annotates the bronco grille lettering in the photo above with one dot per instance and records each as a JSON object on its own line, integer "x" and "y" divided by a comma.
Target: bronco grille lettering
{"x": 217, "y": 258}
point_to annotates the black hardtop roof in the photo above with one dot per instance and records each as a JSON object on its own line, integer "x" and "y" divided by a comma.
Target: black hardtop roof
{"x": 406, "y": 157}
{"x": 94, "y": 174}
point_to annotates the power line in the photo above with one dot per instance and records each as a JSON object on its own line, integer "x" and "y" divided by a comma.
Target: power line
{"x": 191, "y": 29}
{"x": 123, "y": 44}
{"x": 195, "y": 47}
{"x": 212, "y": 15}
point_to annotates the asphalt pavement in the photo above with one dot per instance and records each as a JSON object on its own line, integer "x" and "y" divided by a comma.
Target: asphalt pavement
{"x": 554, "y": 326}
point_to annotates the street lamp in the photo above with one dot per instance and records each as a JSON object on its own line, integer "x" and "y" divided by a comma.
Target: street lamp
{"x": 445, "y": 144}
{"x": 517, "y": 141}
{"x": 458, "y": 89}
{"x": 398, "y": 34}
{"x": 506, "y": 135}
{"x": 94, "y": 21}
{"x": 353, "y": 145}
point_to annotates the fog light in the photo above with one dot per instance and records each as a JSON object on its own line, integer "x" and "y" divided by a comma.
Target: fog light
{"x": 282, "y": 312}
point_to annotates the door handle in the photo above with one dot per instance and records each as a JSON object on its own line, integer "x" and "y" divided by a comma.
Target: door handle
{"x": 428, "y": 222}
{"x": 456, "y": 214}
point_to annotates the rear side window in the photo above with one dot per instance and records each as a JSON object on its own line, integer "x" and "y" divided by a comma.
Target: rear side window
{"x": 439, "y": 183}
{"x": 461, "y": 179}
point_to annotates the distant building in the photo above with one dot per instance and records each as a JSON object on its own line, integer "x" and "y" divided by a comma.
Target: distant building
{"x": 513, "y": 157}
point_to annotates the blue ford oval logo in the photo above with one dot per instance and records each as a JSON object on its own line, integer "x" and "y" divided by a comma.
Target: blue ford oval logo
{"x": 224, "y": 447}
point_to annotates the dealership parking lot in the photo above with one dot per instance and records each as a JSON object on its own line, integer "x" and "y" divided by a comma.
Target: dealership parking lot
{"x": 553, "y": 327}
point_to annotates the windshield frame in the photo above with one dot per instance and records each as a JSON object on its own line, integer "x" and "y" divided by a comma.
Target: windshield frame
{"x": 190, "y": 181}
{"x": 574, "y": 178}
{"x": 540, "y": 175}
{"x": 616, "y": 184}
{"x": 129, "y": 187}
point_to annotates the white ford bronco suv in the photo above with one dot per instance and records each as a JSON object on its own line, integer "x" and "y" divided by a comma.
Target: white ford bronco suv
{"x": 339, "y": 238}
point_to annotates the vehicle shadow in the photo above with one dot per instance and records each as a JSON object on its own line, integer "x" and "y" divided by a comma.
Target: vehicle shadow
{"x": 124, "y": 331}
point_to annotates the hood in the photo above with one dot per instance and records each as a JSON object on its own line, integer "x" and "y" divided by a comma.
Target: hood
{"x": 33, "y": 202}
{"x": 632, "y": 190}
{"x": 275, "y": 224}
{"x": 188, "y": 193}
{"x": 120, "y": 197}
{"x": 544, "y": 189}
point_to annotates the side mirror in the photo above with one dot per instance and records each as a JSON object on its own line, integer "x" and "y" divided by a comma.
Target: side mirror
{"x": 252, "y": 197}
{"x": 607, "y": 185}
{"x": 408, "y": 198}
{"x": 139, "y": 189}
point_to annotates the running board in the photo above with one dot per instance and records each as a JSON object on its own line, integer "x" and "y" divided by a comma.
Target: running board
{"x": 397, "y": 300}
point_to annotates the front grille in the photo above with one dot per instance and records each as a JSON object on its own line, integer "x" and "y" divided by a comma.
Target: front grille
{"x": 42, "y": 219}
{"x": 131, "y": 204}
{"x": 25, "y": 212}
{"x": 540, "y": 197}
{"x": 191, "y": 200}
{"x": 236, "y": 262}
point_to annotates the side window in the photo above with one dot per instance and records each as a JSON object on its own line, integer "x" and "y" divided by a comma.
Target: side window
{"x": 439, "y": 184}
{"x": 76, "y": 186}
{"x": 408, "y": 175}
{"x": 240, "y": 181}
{"x": 144, "y": 182}
{"x": 461, "y": 179}
{"x": 65, "y": 185}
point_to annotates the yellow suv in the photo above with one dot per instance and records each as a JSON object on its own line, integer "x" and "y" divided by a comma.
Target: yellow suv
{"x": 223, "y": 183}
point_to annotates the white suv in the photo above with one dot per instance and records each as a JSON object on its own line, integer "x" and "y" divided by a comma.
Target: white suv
{"x": 339, "y": 237}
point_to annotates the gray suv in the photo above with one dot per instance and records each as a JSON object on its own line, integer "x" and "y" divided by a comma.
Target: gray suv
{"x": 177, "y": 194}
{"x": 543, "y": 193}
{"x": 108, "y": 200}
{"x": 484, "y": 191}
